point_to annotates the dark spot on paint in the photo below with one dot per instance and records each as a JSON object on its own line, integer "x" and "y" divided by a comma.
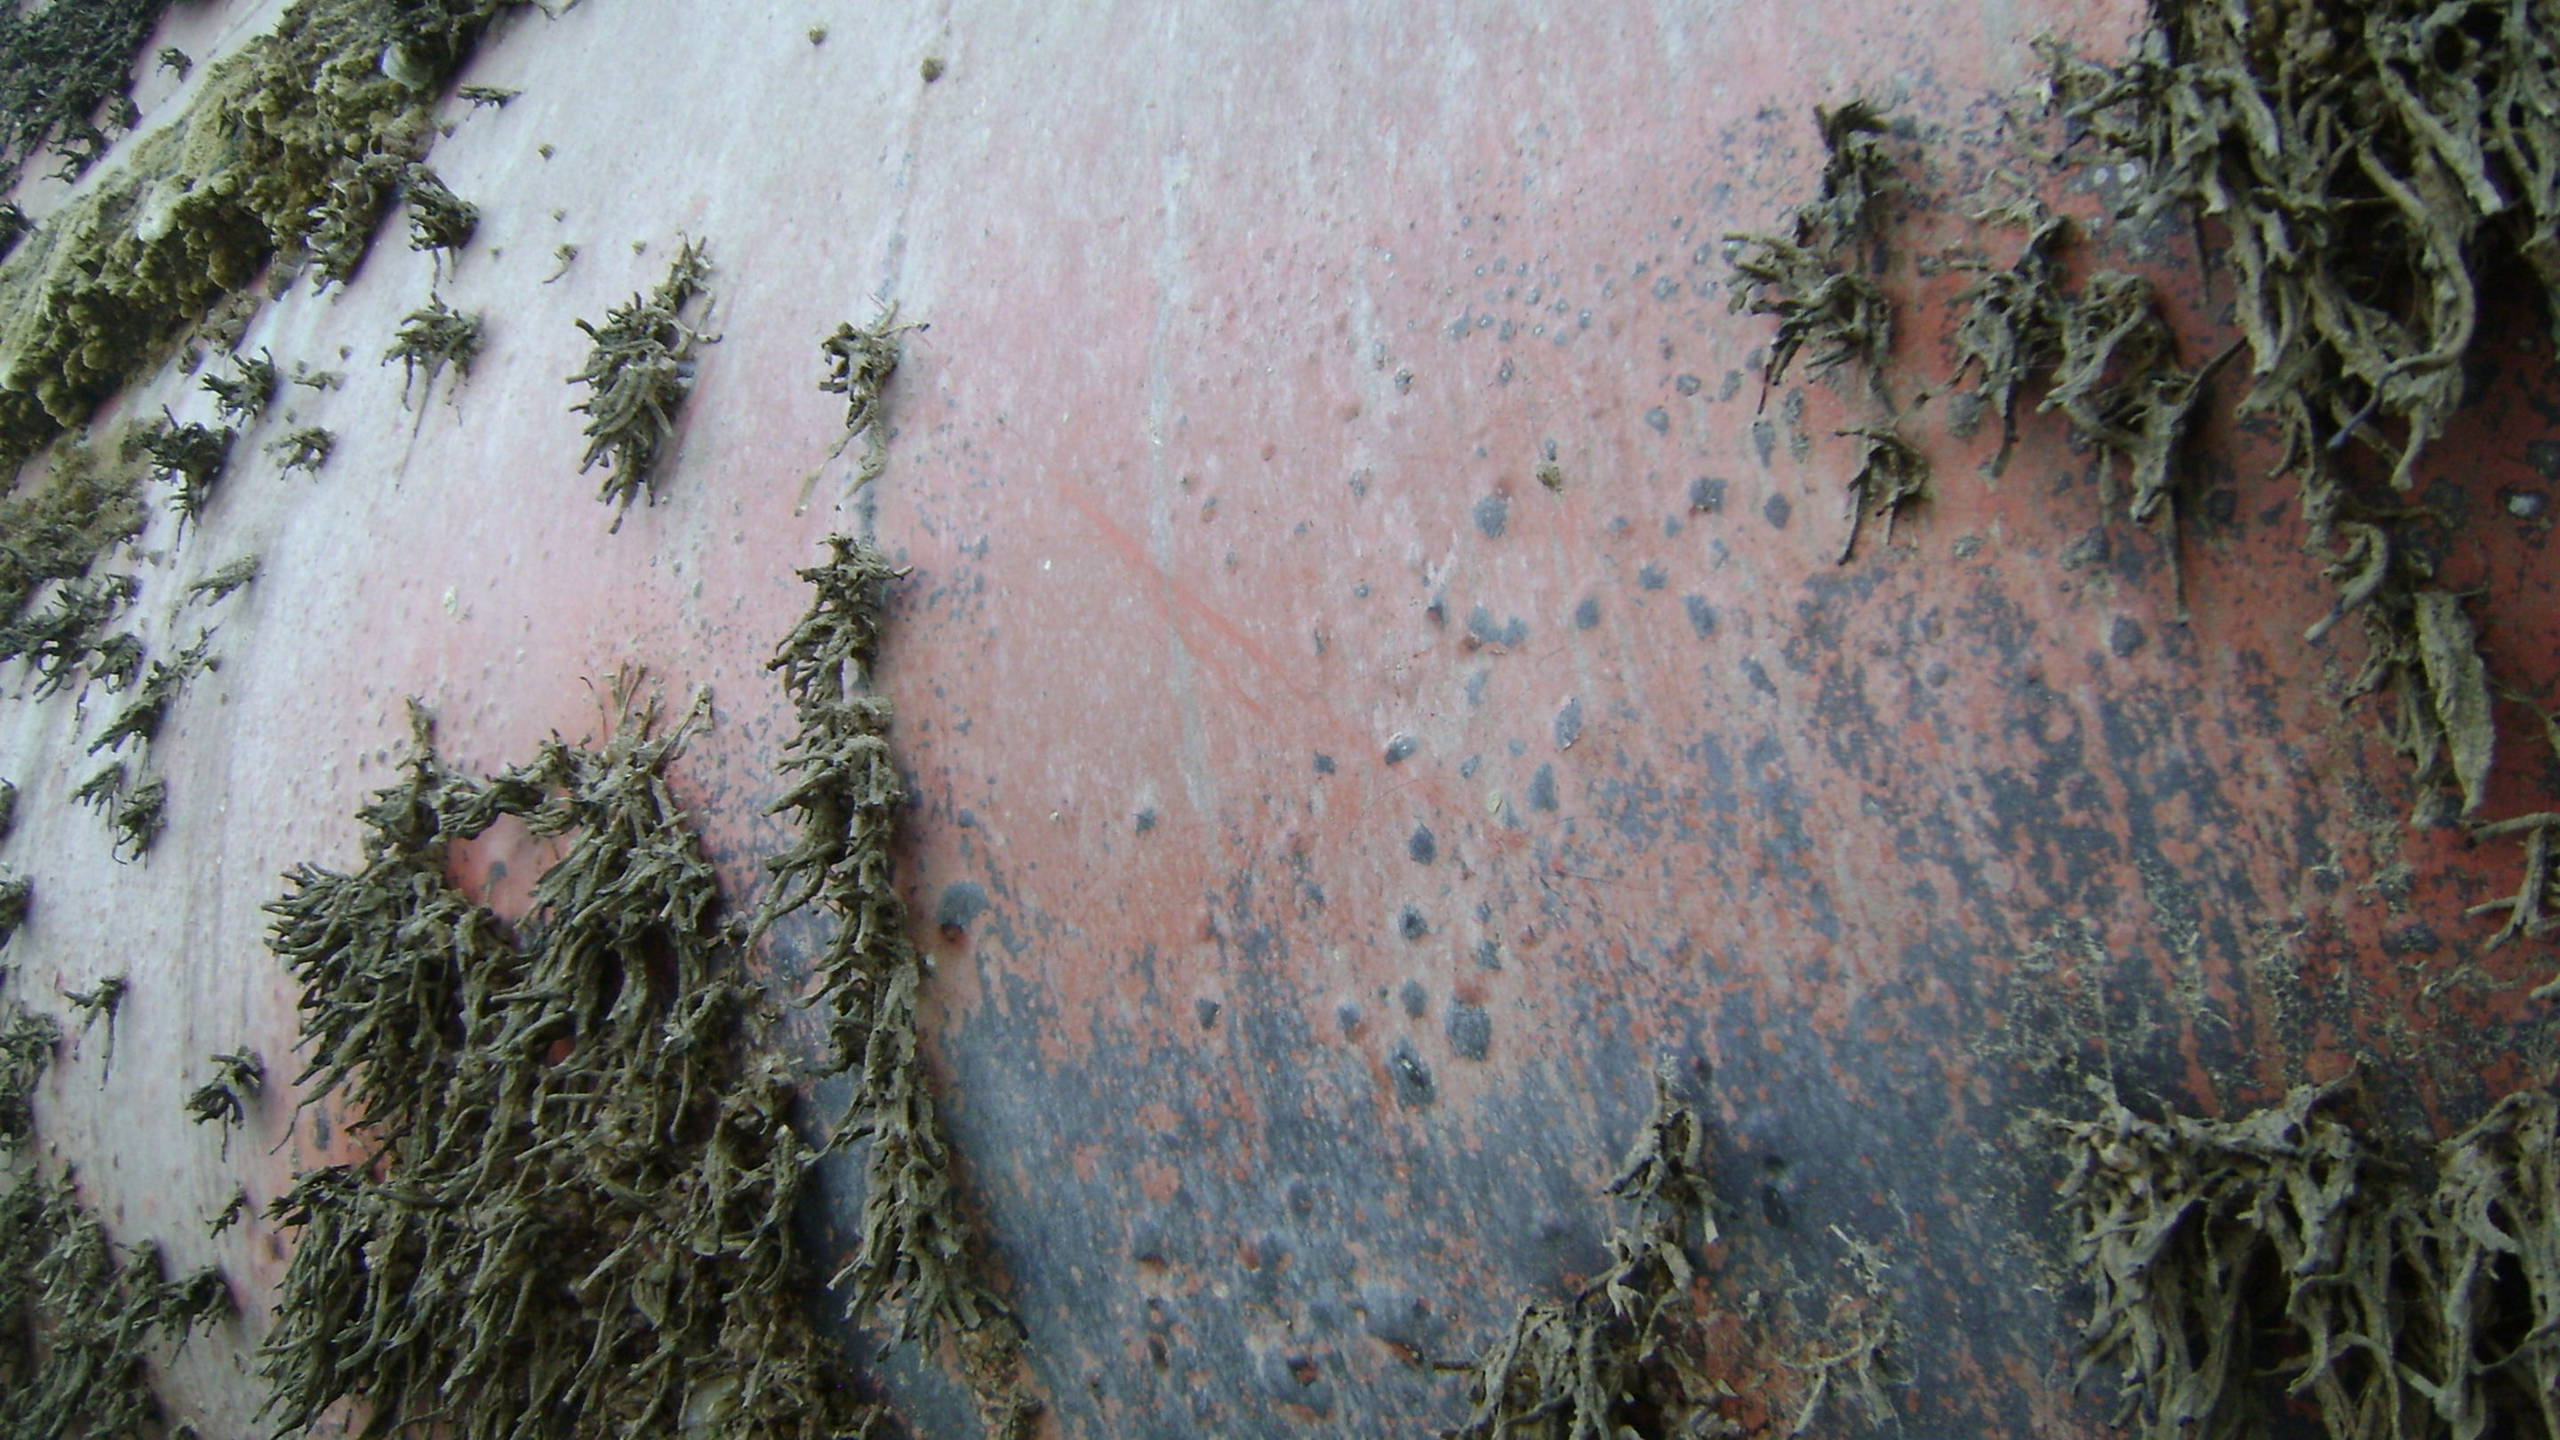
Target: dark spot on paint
{"x": 1400, "y": 749}
{"x": 1568, "y": 724}
{"x": 1422, "y": 846}
{"x": 1411, "y": 925}
{"x": 1493, "y": 513}
{"x": 2125, "y": 636}
{"x": 1774, "y": 1207}
{"x": 1658, "y": 420}
{"x": 1208, "y": 1013}
{"x": 958, "y": 907}
{"x": 1652, "y": 577}
{"x": 1777, "y": 511}
{"x": 1480, "y": 624}
{"x": 2544, "y": 457}
{"x": 1758, "y": 675}
{"x": 1587, "y": 614}
{"x": 1686, "y": 384}
{"x": 1702, "y": 616}
{"x": 1146, "y": 821}
{"x": 1347, "y": 1015}
{"x": 1470, "y": 1031}
{"x": 1413, "y": 1078}
{"x": 1542, "y": 788}
{"x": 1324, "y": 763}
{"x": 1706, "y": 493}
{"x": 1764, "y": 440}
{"x": 1414, "y": 998}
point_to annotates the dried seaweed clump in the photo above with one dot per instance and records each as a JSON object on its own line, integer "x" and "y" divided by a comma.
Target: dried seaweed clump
{"x": 190, "y": 457}
{"x": 577, "y": 1219}
{"x": 27, "y": 1041}
{"x": 8, "y": 807}
{"x": 17, "y": 892}
{"x": 429, "y": 339}
{"x": 439, "y": 220}
{"x": 2241, "y": 1266}
{"x": 269, "y": 160}
{"x": 55, "y": 527}
{"x": 2375, "y": 164}
{"x": 142, "y": 716}
{"x": 59, "y": 66}
{"x": 1809, "y": 278}
{"x": 245, "y": 395}
{"x": 224, "y": 1099}
{"x": 637, "y": 375}
{"x": 918, "y": 1254}
{"x": 1890, "y": 475}
{"x": 1617, "y": 1356}
{"x": 307, "y": 449}
{"x": 860, "y": 361}
{"x": 76, "y": 1320}
{"x": 56, "y": 639}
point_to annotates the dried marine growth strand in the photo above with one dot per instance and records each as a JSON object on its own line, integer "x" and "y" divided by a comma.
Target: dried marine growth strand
{"x": 77, "y": 1323}
{"x": 1890, "y": 475}
{"x": 100, "y": 1002}
{"x": 60, "y": 65}
{"x": 58, "y": 527}
{"x": 224, "y": 1099}
{"x": 232, "y": 1213}
{"x": 860, "y": 361}
{"x": 2220, "y": 1252}
{"x": 582, "y": 1175}
{"x": 57, "y": 639}
{"x": 307, "y": 449}
{"x": 17, "y": 892}
{"x": 1864, "y": 1334}
{"x": 101, "y": 790}
{"x": 245, "y": 395}
{"x": 439, "y": 220}
{"x": 918, "y": 1255}
{"x": 27, "y": 1041}
{"x": 117, "y": 662}
{"x": 1808, "y": 278}
{"x": 637, "y": 376}
{"x": 486, "y": 96}
{"x": 2011, "y": 331}
{"x": 430, "y": 339}
{"x": 340, "y": 224}
{"x": 1617, "y": 1355}
{"x": 138, "y": 819}
{"x": 2526, "y": 916}
{"x": 2422, "y": 651}
{"x": 142, "y": 717}
{"x": 221, "y": 583}
{"x": 189, "y": 457}
{"x": 2375, "y": 165}
{"x": 8, "y": 807}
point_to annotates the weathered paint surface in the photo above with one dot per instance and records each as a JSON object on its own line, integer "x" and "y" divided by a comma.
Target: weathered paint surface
{"x": 1323, "y": 826}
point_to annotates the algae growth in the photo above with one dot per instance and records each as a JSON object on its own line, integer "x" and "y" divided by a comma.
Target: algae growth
{"x": 1620, "y": 1357}
{"x": 860, "y": 362}
{"x": 581, "y": 1177}
{"x": 2243, "y": 1268}
{"x": 918, "y": 1256}
{"x": 637, "y": 375}
{"x": 1811, "y": 278}
{"x": 288, "y": 152}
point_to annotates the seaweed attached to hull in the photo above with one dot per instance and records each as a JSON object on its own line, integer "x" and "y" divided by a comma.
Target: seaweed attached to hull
{"x": 1811, "y": 278}
{"x": 918, "y": 1256}
{"x": 1588, "y": 1367}
{"x": 2243, "y": 1267}
{"x": 637, "y": 375}
{"x": 583, "y": 1180}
